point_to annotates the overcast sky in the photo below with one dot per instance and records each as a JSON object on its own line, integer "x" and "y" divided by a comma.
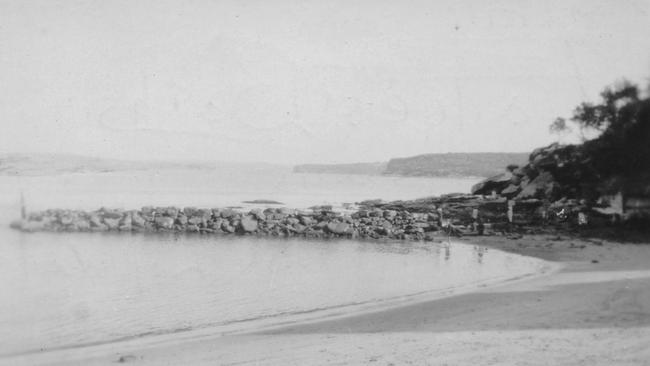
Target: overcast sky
{"x": 294, "y": 81}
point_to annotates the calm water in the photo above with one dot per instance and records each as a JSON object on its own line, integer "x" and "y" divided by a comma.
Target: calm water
{"x": 72, "y": 289}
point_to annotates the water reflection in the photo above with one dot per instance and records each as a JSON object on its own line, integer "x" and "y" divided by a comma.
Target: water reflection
{"x": 94, "y": 287}
{"x": 480, "y": 251}
{"x": 447, "y": 251}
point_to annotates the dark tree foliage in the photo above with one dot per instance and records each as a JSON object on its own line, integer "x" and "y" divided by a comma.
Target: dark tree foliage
{"x": 620, "y": 156}
{"x": 609, "y": 114}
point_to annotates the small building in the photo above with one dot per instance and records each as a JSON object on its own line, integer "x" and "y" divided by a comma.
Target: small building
{"x": 629, "y": 204}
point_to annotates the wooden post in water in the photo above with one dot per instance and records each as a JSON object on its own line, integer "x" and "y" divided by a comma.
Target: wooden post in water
{"x": 23, "y": 211}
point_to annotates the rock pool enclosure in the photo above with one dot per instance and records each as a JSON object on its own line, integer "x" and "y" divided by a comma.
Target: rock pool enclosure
{"x": 406, "y": 220}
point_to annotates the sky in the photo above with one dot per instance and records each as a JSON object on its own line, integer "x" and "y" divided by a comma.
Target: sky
{"x": 293, "y": 81}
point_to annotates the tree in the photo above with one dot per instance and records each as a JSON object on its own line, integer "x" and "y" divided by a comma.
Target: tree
{"x": 621, "y": 149}
{"x": 609, "y": 114}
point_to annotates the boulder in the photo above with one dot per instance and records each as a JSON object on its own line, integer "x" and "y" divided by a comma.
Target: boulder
{"x": 147, "y": 210}
{"x": 322, "y": 224}
{"x": 82, "y": 225}
{"x": 360, "y": 214}
{"x": 258, "y": 214}
{"x": 164, "y": 222}
{"x": 228, "y": 213}
{"x": 390, "y": 214}
{"x": 306, "y": 220}
{"x": 511, "y": 191}
{"x": 137, "y": 220}
{"x": 338, "y": 228}
{"x": 248, "y": 224}
{"x": 298, "y": 228}
{"x": 181, "y": 219}
{"x": 66, "y": 220}
{"x": 95, "y": 220}
{"x": 226, "y": 227}
{"x": 432, "y": 217}
{"x": 292, "y": 221}
{"x": 539, "y": 187}
{"x": 112, "y": 224}
{"x": 205, "y": 213}
{"x": 286, "y": 211}
{"x": 496, "y": 183}
{"x": 111, "y": 214}
{"x": 276, "y": 216}
{"x": 195, "y": 220}
{"x": 171, "y": 211}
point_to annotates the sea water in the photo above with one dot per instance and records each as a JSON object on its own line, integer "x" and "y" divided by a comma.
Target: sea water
{"x": 75, "y": 289}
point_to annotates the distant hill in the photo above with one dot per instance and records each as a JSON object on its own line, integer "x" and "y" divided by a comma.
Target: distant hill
{"x": 355, "y": 168}
{"x": 52, "y": 164}
{"x": 455, "y": 164}
{"x": 432, "y": 165}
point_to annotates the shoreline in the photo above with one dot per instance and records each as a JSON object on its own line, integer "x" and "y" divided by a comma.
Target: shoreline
{"x": 597, "y": 304}
{"x": 279, "y": 321}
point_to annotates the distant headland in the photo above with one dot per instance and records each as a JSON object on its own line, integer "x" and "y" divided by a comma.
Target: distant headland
{"x": 426, "y": 165}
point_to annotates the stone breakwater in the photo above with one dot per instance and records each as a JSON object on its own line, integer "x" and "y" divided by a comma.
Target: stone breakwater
{"x": 318, "y": 222}
{"x": 421, "y": 219}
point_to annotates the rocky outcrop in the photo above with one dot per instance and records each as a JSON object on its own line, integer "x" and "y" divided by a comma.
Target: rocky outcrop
{"x": 551, "y": 173}
{"x": 496, "y": 183}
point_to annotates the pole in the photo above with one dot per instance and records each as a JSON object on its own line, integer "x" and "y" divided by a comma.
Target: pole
{"x": 23, "y": 211}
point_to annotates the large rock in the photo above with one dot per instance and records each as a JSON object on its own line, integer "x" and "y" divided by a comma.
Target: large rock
{"x": 286, "y": 211}
{"x": 164, "y": 222}
{"x": 226, "y": 227}
{"x": 248, "y": 224}
{"x": 111, "y": 214}
{"x": 95, "y": 220}
{"x": 190, "y": 211}
{"x": 137, "y": 220}
{"x": 227, "y": 213}
{"x": 181, "y": 219}
{"x": 171, "y": 211}
{"x": 258, "y": 214}
{"x": 540, "y": 187}
{"x": 82, "y": 225}
{"x": 299, "y": 228}
{"x": 511, "y": 190}
{"x": 338, "y": 228}
{"x": 306, "y": 220}
{"x": 112, "y": 224}
{"x": 496, "y": 183}
{"x": 390, "y": 214}
{"x": 195, "y": 220}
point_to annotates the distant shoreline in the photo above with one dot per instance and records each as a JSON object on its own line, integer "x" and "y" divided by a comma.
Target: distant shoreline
{"x": 450, "y": 165}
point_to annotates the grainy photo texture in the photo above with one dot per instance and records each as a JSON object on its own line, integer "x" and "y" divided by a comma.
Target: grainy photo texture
{"x": 310, "y": 182}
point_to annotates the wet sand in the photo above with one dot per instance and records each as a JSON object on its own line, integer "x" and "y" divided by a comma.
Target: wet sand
{"x": 594, "y": 311}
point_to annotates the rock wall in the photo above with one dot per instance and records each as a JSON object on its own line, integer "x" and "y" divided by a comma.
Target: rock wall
{"x": 422, "y": 219}
{"x": 319, "y": 222}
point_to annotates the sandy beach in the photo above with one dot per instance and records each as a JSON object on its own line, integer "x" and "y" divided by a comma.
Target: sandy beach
{"x": 595, "y": 310}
